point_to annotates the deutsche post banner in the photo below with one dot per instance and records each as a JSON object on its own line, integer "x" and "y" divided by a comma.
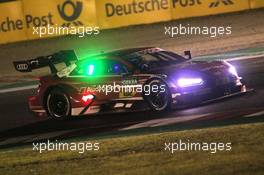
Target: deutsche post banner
{"x": 256, "y": 3}
{"x": 12, "y": 26}
{"x": 190, "y": 8}
{"x": 58, "y": 17}
{"x": 117, "y": 13}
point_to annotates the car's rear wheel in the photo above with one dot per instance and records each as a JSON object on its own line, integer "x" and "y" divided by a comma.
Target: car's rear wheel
{"x": 158, "y": 97}
{"x": 58, "y": 104}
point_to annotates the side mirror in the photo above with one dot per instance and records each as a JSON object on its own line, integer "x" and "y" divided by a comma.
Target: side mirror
{"x": 188, "y": 54}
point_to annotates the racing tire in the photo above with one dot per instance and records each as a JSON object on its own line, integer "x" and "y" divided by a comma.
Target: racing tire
{"x": 159, "y": 100}
{"x": 58, "y": 104}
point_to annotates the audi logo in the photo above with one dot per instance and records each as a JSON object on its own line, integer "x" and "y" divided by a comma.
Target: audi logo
{"x": 22, "y": 67}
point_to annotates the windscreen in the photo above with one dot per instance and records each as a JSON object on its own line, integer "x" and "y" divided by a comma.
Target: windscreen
{"x": 156, "y": 59}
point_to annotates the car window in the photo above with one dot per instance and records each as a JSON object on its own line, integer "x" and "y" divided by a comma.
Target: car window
{"x": 155, "y": 59}
{"x": 99, "y": 67}
{"x": 151, "y": 60}
{"x": 115, "y": 68}
{"x": 170, "y": 56}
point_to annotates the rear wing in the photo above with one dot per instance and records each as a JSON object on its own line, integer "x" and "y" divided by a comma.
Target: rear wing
{"x": 64, "y": 56}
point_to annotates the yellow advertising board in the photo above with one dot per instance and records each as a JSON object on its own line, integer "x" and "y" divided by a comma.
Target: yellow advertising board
{"x": 117, "y": 13}
{"x": 190, "y": 8}
{"x": 256, "y": 3}
{"x": 11, "y": 22}
{"x": 33, "y": 19}
{"x": 45, "y": 18}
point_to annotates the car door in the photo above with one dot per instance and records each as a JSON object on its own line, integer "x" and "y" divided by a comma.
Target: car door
{"x": 100, "y": 77}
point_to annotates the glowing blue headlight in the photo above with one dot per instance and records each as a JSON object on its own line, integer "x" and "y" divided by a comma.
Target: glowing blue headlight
{"x": 186, "y": 82}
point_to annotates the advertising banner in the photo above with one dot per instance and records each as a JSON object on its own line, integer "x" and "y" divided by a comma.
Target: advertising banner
{"x": 45, "y": 18}
{"x": 256, "y": 3}
{"x": 190, "y": 8}
{"x": 117, "y": 13}
{"x": 12, "y": 22}
{"x": 31, "y": 19}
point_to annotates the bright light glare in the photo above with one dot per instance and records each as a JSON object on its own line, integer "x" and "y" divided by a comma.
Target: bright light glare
{"x": 185, "y": 82}
{"x": 233, "y": 71}
{"x": 85, "y": 98}
{"x": 90, "y": 70}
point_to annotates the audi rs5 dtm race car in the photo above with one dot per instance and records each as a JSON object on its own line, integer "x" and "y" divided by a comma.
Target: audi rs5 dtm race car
{"x": 126, "y": 80}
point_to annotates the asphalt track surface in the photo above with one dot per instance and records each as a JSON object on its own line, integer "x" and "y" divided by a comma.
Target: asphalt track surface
{"x": 18, "y": 126}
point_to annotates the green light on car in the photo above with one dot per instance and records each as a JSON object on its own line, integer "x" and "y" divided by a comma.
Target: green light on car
{"x": 90, "y": 70}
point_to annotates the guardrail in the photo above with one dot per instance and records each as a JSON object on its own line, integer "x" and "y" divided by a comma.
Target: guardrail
{"x": 19, "y": 19}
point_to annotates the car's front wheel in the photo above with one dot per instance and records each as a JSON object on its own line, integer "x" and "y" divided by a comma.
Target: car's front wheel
{"x": 157, "y": 95}
{"x": 58, "y": 104}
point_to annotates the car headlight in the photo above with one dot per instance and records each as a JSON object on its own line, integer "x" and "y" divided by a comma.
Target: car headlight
{"x": 186, "y": 82}
{"x": 233, "y": 70}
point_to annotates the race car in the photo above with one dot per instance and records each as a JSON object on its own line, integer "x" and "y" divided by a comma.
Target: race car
{"x": 127, "y": 80}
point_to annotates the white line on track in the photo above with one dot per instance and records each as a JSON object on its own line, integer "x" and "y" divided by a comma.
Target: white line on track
{"x": 234, "y": 55}
{"x": 255, "y": 114}
{"x": 18, "y": 89}
{"x": 244, "y": 58}
{"x": 166, "y": 121}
